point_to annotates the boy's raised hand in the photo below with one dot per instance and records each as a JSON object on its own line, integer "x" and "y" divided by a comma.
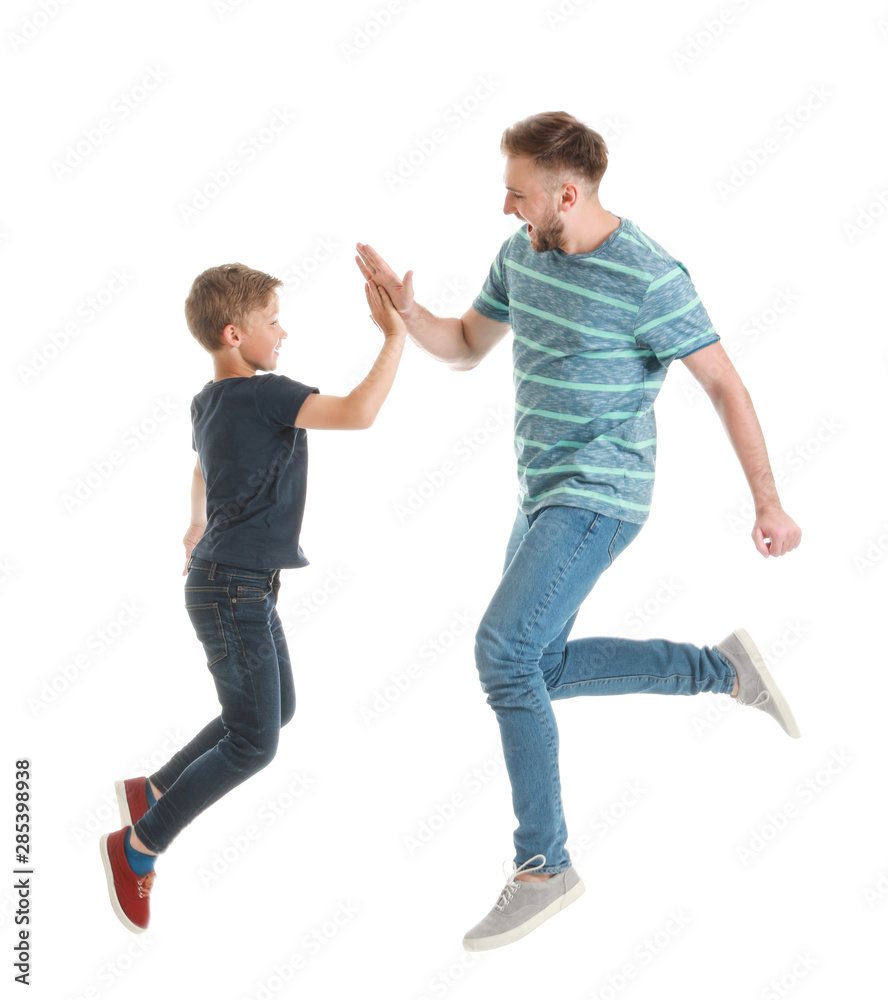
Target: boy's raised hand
{"x": 374, "y": 268}
{"x": 383, "y": 312}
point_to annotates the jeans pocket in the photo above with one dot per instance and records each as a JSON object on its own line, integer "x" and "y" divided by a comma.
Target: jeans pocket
{"x": 207, "y": 622}
{"x": 624, "y": 534}
{"x": 250, "y": 593}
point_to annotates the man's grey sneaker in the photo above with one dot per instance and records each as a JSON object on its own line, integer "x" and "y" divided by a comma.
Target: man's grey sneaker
{"x": 756, "y": 685}
{"x": 523, "y": 906}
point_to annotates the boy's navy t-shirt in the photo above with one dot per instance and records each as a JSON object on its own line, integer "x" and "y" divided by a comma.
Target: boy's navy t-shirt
{"x": 254, "y": 462}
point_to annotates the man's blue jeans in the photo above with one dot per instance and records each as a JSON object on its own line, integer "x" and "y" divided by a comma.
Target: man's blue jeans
{"x": 234, "y": 614}
{"x": 553, "y": 560}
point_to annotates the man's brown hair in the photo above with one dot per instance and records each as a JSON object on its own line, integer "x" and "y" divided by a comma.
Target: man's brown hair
{"x": 558, "y": 144}
{"x": 223, "y": 295}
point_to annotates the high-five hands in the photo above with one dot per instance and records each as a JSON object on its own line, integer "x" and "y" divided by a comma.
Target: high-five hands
{"x": 373, "y": 267}
{"x": 382, "y": 310}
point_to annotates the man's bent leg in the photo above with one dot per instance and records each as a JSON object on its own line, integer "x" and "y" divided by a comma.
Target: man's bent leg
{"x": 602, "y": 665}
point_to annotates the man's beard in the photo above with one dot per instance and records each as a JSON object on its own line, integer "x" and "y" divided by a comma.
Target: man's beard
{"x": 550, "y": 234}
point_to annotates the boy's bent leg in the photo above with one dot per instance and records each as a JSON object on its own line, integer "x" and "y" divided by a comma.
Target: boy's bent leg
{"x": 555, "y": 564}
{"x": 242, "y": 657}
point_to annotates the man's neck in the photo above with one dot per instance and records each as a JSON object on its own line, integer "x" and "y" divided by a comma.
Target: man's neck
{"x": 594, "y": 230}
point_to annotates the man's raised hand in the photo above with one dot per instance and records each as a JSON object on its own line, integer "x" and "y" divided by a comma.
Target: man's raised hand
{"x": 373, "y": 267}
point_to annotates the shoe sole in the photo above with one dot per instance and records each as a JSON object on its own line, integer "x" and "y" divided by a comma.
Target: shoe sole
{"x": 498, "y": 940}
{"x": 790, "y": 724}
{"x": 126, "y": 818}
{"x": 109, "y": 876}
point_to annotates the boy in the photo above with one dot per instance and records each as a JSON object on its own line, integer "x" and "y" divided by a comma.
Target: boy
{"x": 247, "y": 501}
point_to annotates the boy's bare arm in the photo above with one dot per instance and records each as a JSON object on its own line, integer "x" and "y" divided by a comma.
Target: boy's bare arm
{"x": 459, "y": 343}
{"x": 359, "y": 408}
{"x": 198, "y": 513}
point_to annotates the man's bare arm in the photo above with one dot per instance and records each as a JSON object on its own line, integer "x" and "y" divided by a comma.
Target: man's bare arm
{"x": 460, "y": 343}
{"x": 715, "y": 372}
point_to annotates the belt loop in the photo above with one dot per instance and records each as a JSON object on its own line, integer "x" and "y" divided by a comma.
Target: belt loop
{"x": 212, "y": 575}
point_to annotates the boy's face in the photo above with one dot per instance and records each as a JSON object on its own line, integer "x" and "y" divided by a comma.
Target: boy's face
{"x": 260, "y": 337}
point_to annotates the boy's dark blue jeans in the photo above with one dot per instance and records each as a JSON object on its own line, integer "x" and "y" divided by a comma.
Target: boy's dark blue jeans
{"x": 234, "y": 614}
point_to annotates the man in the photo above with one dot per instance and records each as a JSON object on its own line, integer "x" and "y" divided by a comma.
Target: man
{"x": 598, "y": 311}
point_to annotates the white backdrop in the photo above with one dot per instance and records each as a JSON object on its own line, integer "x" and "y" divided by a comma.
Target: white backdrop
{"x": 144, "y": 143}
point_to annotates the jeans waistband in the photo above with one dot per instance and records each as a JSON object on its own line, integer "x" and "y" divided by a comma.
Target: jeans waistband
{"x": 217, "y": 567}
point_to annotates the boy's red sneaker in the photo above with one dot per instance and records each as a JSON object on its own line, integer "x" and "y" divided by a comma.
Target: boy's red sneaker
{"x": 131, "y": 800}
{"x": 129, "y": 892}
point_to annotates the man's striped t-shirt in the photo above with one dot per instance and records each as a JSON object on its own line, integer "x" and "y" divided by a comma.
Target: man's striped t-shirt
{"x": 593, "y": 336}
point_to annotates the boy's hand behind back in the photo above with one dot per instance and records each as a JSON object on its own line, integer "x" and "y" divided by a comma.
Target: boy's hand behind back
{"x": 383, "y": 311}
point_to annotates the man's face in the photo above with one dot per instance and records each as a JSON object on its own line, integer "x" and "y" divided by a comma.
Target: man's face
{"x": 527, "y": 199}
{"x": 262, "y": 337}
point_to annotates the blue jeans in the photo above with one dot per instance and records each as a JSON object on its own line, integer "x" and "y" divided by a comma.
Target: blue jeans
{"x": 525, "y": 662}
{"x": 234, "y": 613}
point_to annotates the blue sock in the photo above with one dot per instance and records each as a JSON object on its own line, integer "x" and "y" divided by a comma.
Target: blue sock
{"x": 140, "y": 863}
{"x": 149, "y": 795}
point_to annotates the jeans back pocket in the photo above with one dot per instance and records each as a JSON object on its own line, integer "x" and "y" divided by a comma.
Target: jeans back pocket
{"x": 207, "y": 622}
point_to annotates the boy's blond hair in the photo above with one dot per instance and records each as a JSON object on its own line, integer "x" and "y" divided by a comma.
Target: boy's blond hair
{"x": 222, "y": 295}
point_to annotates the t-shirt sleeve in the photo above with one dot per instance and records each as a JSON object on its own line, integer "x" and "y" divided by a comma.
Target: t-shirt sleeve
{"x": 281, "y": 398}
{"x": 193, "y": 445}
{"x": 672, "y": 321}
{"x": 493, "y": 299}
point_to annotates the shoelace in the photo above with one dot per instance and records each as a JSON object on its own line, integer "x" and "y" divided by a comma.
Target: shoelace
{"x": 145, "y": 884}
{"x": 758, "y": 700}
{"x": 512, "y": 884}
